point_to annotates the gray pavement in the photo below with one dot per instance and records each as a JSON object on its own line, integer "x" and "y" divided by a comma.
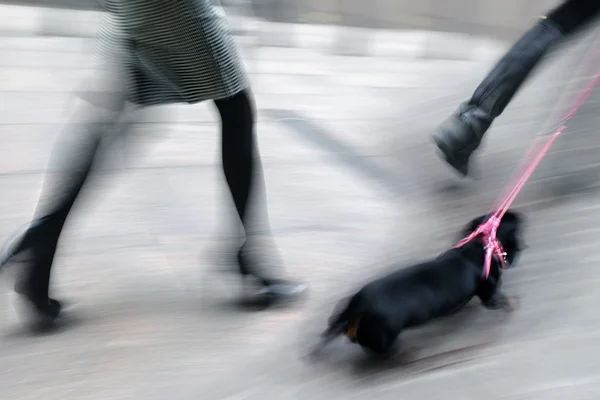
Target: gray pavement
{"x": 353, "y": 187}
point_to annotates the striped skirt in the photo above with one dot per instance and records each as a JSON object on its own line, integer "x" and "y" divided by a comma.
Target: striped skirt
{"x": 168, "y": 51}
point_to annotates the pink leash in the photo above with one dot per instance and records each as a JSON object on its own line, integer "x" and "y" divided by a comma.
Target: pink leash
{"x": 487, "y": 230}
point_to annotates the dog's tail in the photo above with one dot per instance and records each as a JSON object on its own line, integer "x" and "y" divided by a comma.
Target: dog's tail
{"x": 338, "y": 322}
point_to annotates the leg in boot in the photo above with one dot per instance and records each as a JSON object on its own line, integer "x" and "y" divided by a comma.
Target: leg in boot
{"x": 462, "y": 133}
{"x": 40, "y": 240}
{"x": 240, "y": 164}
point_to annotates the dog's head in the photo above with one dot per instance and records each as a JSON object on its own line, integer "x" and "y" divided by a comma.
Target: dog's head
{"x": 374, "y": 334}
{"x": 509, "y": 233}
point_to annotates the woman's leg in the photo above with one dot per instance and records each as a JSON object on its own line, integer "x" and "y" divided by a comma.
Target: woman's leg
{"x": 462, "y": 133}
{"x": 41, "y": 238}
{"x": 241, "y": 166}
{"x": 238, "y": 148}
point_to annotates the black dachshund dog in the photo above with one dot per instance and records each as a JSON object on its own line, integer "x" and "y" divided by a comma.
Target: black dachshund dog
{"x": 375, "y": 316}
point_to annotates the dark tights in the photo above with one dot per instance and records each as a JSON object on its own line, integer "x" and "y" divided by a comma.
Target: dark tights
{"x": 239, "y": 166}
{"x": 238, "y": 148}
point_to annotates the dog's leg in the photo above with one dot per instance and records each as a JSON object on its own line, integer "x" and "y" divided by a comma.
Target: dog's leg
{"x": 499, "y": 300}
{"x": 492, "y": 298}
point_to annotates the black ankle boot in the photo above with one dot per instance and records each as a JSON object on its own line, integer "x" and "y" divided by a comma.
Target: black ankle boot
{"x": 32, "y": 282}
{"x": 460, "y": 135}
{"x": 44, "y": 309}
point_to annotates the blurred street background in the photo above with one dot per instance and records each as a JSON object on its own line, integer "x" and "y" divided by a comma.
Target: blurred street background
{"x": 348, "y": 93}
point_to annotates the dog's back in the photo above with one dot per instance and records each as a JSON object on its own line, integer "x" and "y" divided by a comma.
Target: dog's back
{"x": 419, "y": 293}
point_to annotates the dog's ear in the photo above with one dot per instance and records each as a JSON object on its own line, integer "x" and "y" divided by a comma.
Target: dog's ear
{"x": 512, "y": 223}
{"x": 510, "y": 230}
{"x": 514, "y": 217}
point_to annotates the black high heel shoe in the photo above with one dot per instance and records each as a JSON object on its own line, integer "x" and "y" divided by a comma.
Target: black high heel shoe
{"x": 271, "y": 291}
{"x": 44, "y": 309}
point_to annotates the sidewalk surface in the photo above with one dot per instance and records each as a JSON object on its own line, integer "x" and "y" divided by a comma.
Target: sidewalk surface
{"x": 353, "y": 184}
{"x": 27, "y": 21}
